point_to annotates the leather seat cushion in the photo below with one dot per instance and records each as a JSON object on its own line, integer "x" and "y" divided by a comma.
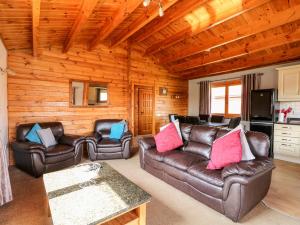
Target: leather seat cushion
{"x": 152, "y": 153}
{"x": 109, "y": 143}
{"x": 182, "y": 160}
{"x": 58, "y": 150}
{"x": 211, "y": 176}
{"x": 59, "y": 153}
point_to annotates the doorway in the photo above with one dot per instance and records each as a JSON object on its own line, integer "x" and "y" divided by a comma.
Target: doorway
{"x": 143, "y": 110}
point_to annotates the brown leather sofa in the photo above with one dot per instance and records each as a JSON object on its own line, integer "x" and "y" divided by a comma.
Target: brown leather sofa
{"x": 232, "y": 191}
{"x": 36, "y": 159}
{"x": 100, "y": 146}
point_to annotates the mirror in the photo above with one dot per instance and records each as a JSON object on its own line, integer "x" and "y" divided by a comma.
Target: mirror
{"x": 88, "y": 94}
{"x": 77, "y": 93}
{"x": 97, "y": 94}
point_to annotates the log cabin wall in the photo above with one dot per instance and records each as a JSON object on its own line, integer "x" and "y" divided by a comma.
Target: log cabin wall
{"x": 39, "y": 89}
{"x": 144, "y": 71}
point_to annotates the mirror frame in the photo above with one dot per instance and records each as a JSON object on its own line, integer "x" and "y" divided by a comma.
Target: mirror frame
{"x": 86, "y": 85}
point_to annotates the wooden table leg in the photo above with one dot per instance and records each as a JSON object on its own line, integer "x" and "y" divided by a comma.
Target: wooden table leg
{"x": 142, "y": 214}
{"x": 49, "y": 211}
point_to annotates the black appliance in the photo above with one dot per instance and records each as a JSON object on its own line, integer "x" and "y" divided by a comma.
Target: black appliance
{"x": 263, "y": 112}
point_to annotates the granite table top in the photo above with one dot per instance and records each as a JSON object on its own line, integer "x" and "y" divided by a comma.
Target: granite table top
{"x": 91, "y": 193}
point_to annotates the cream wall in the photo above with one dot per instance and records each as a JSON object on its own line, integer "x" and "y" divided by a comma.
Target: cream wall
{"x": 3, "y": 96}
{"x": 268, "y": 80}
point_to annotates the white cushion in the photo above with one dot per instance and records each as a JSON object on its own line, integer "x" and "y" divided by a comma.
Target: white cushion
{"x": 246, "y": 154}
{"x": 177, "y": 125}
{"x": 47, "y": 137}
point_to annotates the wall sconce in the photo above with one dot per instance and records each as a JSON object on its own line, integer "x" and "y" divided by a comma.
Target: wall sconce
{"x": 163, "y": 91}
{"x": 177, "y": 96}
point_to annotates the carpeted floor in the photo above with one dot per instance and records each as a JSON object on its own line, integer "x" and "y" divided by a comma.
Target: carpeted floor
{"x": 168, "y": 206}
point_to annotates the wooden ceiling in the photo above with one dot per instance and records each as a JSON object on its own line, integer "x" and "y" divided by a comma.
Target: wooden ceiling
{"x": 195, "y": 38}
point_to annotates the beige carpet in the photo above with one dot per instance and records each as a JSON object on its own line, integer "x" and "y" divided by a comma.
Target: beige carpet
{"x": 284, "y": 193}
{"x": 168, "y": 206}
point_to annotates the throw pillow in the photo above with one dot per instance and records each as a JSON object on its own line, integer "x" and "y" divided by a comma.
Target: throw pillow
{"x": 47, "y": 137}
{"x": 247, "y": 153}
{"x": 168, "y": 139}
{"x": 177, "y": 125}
{"x": 117, "y": 130}
{"x": 125, "y": 125}
{"x": 32, "y": 135}
{"x": 225, "y": 151}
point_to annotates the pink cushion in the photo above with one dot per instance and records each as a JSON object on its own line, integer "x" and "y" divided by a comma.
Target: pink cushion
{"x": 168, "y": 139}
{"x": 226, "y": 150}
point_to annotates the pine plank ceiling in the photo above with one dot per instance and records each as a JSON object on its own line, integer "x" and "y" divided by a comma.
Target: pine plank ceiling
{"x": 195, "y": 38}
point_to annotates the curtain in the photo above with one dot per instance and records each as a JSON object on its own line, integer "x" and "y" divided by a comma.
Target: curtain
{"x": 204, "y": 102}
{"x": 249, "y": 82}
{"x": 5, "y": 187}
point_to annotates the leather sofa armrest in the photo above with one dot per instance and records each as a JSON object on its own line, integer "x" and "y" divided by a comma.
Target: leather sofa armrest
{"x": 94, "y": 136}
{"x": 30, "y": 157}
{"x": 27, "y": 146}
{"x": 71, "y": 140}
{"x": 126, "y": 136}
{"x": 248, "y": 168}
{"x": 147, "y": 142}
{"x": 241, "y": 192}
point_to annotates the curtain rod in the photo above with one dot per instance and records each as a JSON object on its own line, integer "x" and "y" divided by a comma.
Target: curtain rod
{"x": 232, "y": 78}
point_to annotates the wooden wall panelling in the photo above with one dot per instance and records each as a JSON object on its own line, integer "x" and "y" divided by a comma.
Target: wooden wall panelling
{"x": 39, "y": 91}
{"x": 36, "y": 9}
{"x": 144, "y": 71}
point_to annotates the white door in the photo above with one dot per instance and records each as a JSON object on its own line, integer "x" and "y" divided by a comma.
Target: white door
{"x": 3, "y": 98}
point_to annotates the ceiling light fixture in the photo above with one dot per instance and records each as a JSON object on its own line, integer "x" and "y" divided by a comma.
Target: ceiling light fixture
{"x": 161, "y": 13}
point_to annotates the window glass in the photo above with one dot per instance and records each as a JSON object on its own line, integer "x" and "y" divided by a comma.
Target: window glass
{"x": 235, "y": 100}
{"x": 218, "y": 100}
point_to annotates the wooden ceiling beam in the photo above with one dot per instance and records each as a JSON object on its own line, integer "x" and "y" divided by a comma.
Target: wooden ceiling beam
{"x": 245, "y": 63}
{"x": 36, "y": 10}
{"x": 150, "y": 14}
{"x": 86, "y": 10}
{"x": 269, "y": 21}
{"x": 123, "y": 12}
{"x": 177, "y": 11}
{"x": 247, "y": 48}
{"x": 209, "y": 23}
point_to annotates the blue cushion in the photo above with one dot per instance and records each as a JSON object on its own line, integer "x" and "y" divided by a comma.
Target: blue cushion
{"x": 33, "y": 135}
{"x": 117, "y": 130}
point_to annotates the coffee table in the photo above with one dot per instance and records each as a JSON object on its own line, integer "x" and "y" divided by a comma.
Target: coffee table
{"x": 87, "y": 195}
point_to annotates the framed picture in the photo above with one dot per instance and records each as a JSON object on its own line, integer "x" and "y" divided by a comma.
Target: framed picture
{"x": 163, "y": 91}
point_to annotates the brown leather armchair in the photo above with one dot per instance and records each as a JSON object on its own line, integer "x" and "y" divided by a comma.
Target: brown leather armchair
{"x": 36, "y": 159}
{"x": 100, "y": 146}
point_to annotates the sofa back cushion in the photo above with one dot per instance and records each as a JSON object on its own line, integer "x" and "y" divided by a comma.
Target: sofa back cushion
{"x": 200, "y": 140}
{"x": 185, "y": 129}
{"x": 56, "y": 128}
{"x": 105, "y": 125}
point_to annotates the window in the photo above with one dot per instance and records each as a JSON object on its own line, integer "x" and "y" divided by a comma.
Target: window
{"x": 226, "y": 98}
